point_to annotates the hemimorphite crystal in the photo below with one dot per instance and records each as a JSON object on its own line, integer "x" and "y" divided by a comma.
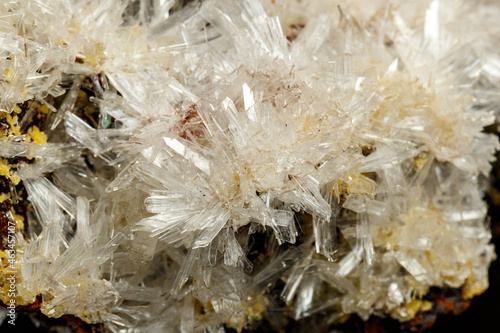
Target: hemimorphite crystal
{"x": 199, "y": 157}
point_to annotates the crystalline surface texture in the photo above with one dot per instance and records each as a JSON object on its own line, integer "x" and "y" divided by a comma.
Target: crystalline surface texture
{"x": 190, "y": 160}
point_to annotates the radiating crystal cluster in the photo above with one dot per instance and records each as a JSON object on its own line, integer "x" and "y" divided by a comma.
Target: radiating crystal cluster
{"x": 194, "y": 159}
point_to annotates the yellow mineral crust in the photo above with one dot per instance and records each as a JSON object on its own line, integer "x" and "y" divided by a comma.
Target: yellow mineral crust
{"x": 409, "y": 310}
{"x": 37, "y": 136}
{"x": 252, "y": 309}
{"x": 4, "y": 196}
{"x": 12, "y": 121}
{"x": 7, "y": 170}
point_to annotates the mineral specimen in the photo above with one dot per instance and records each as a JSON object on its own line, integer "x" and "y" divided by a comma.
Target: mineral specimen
{"x": 171, "y": 167}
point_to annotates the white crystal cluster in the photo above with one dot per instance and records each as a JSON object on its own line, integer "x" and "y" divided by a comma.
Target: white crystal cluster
{"x": 336, "y": 146}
